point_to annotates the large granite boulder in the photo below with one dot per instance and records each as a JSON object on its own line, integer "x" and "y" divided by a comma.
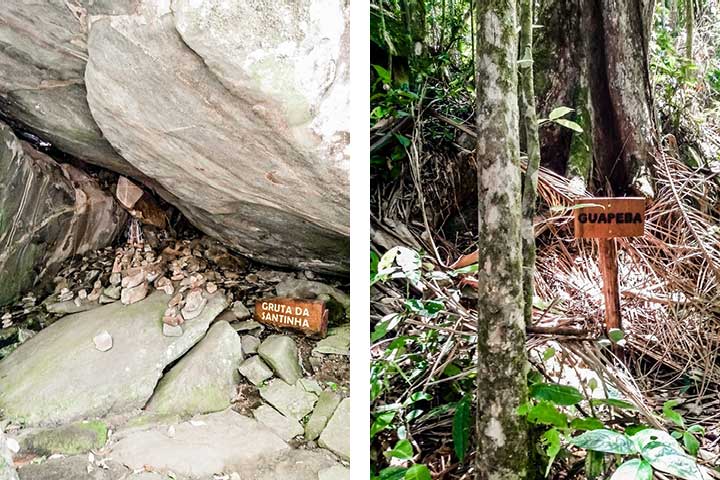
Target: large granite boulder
{"x": 58, "y": 376}
{"x": 43, "y": 63}
{"x": 244, "y": 129}
{"x": 48, "y": 212}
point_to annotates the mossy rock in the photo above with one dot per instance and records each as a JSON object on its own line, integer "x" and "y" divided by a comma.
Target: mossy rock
{"x": 77, "y": 438}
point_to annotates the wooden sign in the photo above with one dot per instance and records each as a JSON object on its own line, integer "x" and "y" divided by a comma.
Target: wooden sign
{"x": 308, "y": 316}
{"x": 605, "y": 217}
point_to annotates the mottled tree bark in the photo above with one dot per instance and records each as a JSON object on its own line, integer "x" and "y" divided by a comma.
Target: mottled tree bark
{"x": 529, "y": 122}
{"x": 502, "y": 451}
{"x": 616, "y": 34}
{"x": 558, "y": 57}
{"x": 593, "y": 56}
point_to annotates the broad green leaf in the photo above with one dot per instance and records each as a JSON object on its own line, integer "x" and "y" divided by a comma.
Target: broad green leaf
{"x": 374, "y": 260}
{"x": 381, "y": 422}
{"x": 666, "y": 459}
{"x": 691, "y": 443}
{"x": 559, "y": 394}
{"x": 551, "y": 439}
{"x": 644, "y": 437}
{"x": 672, "y": 415}
{"x": 418, "y": 472}
{"x": 545, "y": 413}
{"x": 635, "y": 469}
{"x": 606, "y": 441}
{"x": 383, "y": 73}
{"x": 589, "y": 423}
{"x": 462, "y": 422}
{"x": 559, "y": 112}
{"x": 392, "y": 473}
{"x": 403, "y": 450}
{"x": 569, "y": 124}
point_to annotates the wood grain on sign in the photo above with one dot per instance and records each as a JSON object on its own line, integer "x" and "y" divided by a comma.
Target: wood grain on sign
{"x": 308, "y": 316}
{"x": 605, "y": 217}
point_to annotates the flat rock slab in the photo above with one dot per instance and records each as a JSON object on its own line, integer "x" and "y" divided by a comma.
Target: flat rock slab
{"x": 336, "y": 343}
{"x": 75, "y": 468}
{"x": 204, "y": 380}
{"x": 58, "y": 376}
{"x": 324, "y": 409}
{"x": 74, "y": 439}
{"x": 290, "y": 400}
{"x": 255, "y": 370}
{"x": 285, "y": 428}
{"x": 208, "y": 444}
{"x": 281, "y": 353}
{"x": 336, "y": 436}
{"x": 292, "y": 464}
{"x": 338, "y": 472}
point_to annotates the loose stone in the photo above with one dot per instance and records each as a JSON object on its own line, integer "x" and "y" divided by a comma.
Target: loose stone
{"x": 103, "y": 341}
{"x": 128, "y": 296}
{"x": 172, "y": 331}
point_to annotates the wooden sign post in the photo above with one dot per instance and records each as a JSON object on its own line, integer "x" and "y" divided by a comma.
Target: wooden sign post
{"x": 604, "y": 219}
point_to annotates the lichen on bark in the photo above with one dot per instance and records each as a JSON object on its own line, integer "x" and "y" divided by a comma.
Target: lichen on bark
{"x": 501, "y": 433}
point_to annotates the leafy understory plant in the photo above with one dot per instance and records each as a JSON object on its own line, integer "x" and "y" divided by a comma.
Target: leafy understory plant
{"x": 647, "y": 450}
{"x": 557, "y": 117}
{"x": 642, "y": 450}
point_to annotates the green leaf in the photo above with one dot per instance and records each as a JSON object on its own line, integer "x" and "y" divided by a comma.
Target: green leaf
{"x": 381, "y": 422}
{"x": 666, "y": 459}
{"x": 404, "y": 141}
{"x": 551, "y": 439}
{"x": 545, "y": 413}
{"x": 615, "y": 335}
{"x": 614, "y": 402}
{"x": 392, "y": 473}
{"x": 403, "y": 450}
{"x": 548, "y": 353}
{"x": 589, "y": 423}
{"x": 606, "y": 441}
{"x": 569, "y": 124}
{"x": 418, "y": 472}
{"x": 374, "y": 260}
{"x": 559, "y": 394}
{"x": 699, "y": 429}
{"x": 559, "y": 112}
{"x": 635, "y": 469}
{"x": 462, "y": 422}
{"x": 644, "y": 437}
{"x": 691, "y": 443}
{"x": 671, "y": 414}
{"x": 383, "y": 74}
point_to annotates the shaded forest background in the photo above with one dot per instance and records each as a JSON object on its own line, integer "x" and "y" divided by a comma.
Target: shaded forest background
{"x": 628, "y": 104}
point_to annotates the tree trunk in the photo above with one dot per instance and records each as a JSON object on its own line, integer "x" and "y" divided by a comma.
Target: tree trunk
{"x": 502, "y": 451}
{"x": 529, "y": 119}
{"x": 616, "y": 35}
{"x": 689, "y": 27}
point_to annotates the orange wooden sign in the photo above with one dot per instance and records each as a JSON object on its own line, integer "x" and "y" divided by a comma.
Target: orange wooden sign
{"x": 308, "y": 316}
{"x": 607, "y": 217}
